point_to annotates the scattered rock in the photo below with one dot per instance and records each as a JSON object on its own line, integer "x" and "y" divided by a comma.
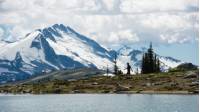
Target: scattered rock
{"x": 76, "y": 91}
{"x": 195, "y": 83}
{"x": 191, "y": 75}
{"x": 148, "y": 84}
{"x": 121, "y": 88}
{"x": 94, "y": 83}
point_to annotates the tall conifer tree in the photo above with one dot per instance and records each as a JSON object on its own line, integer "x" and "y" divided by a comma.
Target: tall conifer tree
{"x": 115, "y": 65}
{"x": 150, "y": 62}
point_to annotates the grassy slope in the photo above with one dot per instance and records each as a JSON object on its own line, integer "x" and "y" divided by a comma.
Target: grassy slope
{"x": 179, "y": 82}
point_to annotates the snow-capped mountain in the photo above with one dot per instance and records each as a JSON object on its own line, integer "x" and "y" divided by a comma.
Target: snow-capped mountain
{"x": 133, "y": 57}
{"x": 60, "y": 47}
{"x": 52, "y": 48}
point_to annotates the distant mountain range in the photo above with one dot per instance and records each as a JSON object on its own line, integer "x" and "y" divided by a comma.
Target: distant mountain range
{"x": 134, "y": 57}
{"x": 60, "y": 47}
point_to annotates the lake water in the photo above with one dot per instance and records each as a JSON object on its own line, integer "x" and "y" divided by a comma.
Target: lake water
{"x": 99, "y": 103}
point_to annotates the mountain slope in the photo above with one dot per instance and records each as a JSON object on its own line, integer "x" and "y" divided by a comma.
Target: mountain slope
{"x": 59, "y": 47}
{"x": 74, "y": 74}
{"x": 54, "y": 48}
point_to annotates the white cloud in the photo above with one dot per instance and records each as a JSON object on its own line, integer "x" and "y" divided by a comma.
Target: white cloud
{"x": 156, "y": 5}
{"x": 123, "y": 37}
{"x": 107, "y": 21}
{"x": 169, "y": 21}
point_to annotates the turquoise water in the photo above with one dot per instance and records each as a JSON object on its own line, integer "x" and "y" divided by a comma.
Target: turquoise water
{"x": 99, "y": 103}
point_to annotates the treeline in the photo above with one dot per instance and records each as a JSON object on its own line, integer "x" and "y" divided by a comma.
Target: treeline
{"x": 150, "y": 62}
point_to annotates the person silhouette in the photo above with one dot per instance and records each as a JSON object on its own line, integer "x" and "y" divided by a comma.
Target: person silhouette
{"x": 129, "y": 69}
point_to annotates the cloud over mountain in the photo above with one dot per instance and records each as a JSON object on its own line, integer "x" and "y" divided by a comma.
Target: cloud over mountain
{"x": 106, "y": 21}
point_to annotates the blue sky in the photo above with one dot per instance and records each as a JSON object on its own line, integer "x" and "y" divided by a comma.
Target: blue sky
{"x": 187, "y": 52}
{"x": 171, "y": 24}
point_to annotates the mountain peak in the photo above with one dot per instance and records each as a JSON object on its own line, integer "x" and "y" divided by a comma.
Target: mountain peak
{"x": 125, "y": 50}
{"x": 125, "y": 47}
{"x": 61, "y": 27}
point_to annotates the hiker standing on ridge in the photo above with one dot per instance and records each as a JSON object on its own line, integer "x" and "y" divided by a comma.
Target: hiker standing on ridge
{"x": 129, "y": 69}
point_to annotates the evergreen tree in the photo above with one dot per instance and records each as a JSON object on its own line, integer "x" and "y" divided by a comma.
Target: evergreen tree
{"x": 115, "y": 65}
{"x": 107, "y": 70}
{"x": 150, "y": 58}
{"x": 150, "y": 62}
{"x": 143, "y": 64}
{"x": 146, "y": 63}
